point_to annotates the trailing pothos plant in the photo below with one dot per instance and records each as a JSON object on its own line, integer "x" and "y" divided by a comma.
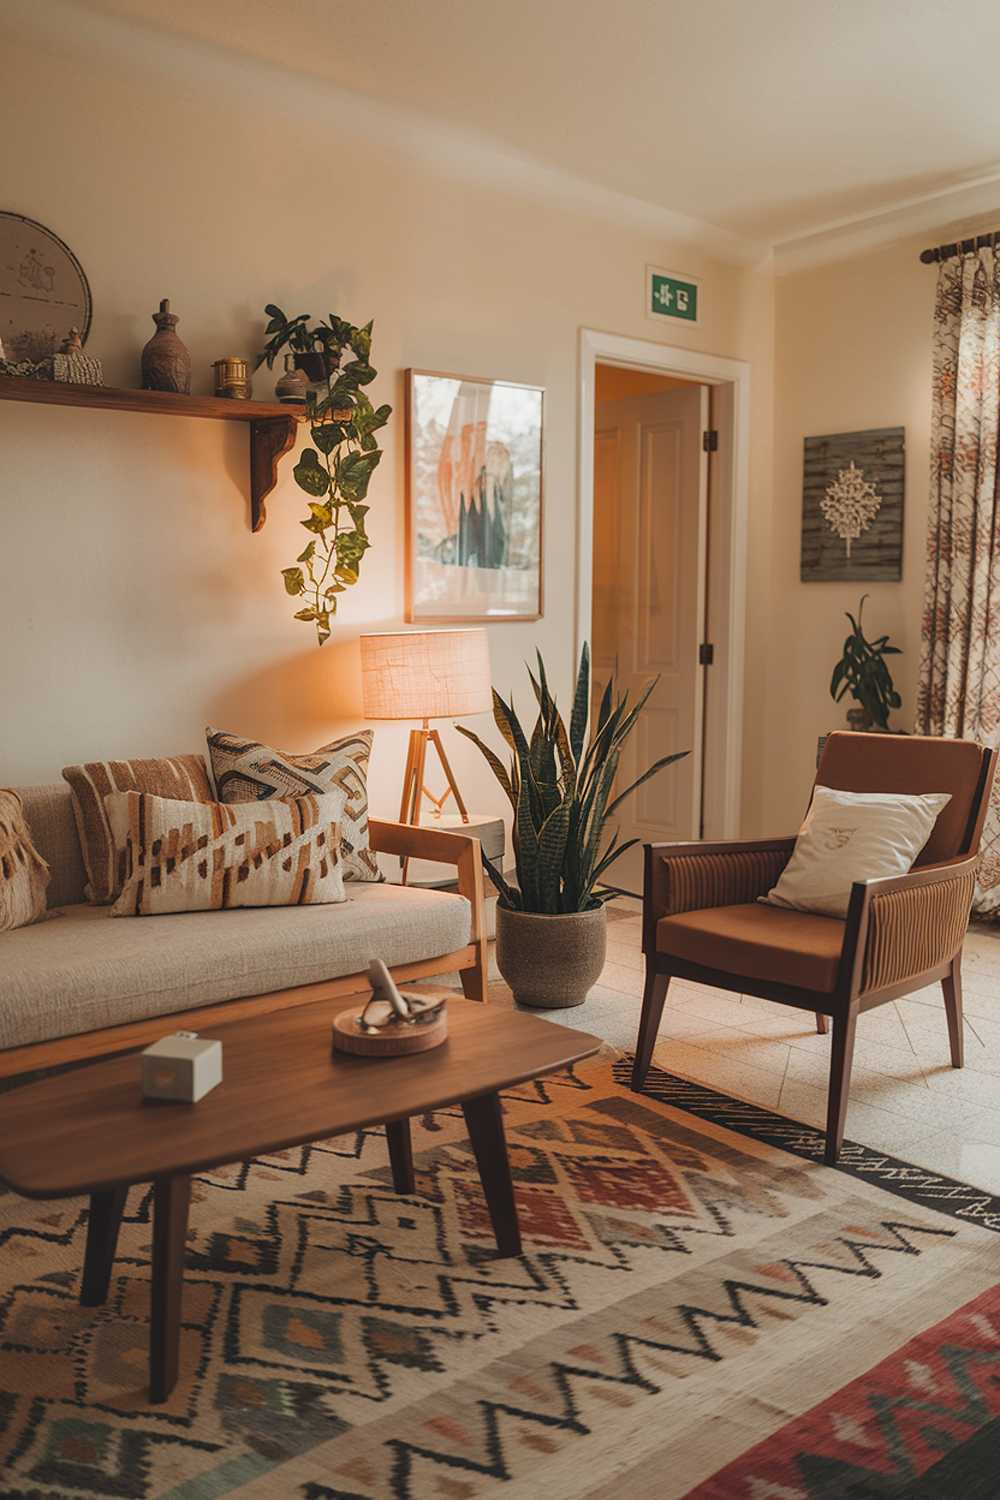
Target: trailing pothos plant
{"x": 559, "y": 785}
{"x": 335, "y": 474}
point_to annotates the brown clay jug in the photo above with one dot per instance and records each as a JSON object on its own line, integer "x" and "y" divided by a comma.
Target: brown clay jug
{"x": 166, "y": 363}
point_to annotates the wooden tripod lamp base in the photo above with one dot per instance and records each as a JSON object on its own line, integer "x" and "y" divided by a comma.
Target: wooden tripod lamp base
{"x": 414, "y": 790}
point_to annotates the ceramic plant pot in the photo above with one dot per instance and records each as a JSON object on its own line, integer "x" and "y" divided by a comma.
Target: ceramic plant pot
{"x": 293, "y": 385}
{"x": 316, "y": 366}
{"x": 551, "y": 963}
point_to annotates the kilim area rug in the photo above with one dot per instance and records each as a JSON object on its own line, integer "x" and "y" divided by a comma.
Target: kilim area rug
{"x": 698, "y": 1312}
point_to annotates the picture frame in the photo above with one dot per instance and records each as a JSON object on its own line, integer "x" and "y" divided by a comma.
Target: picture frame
{"x": 853, "y": 499}
{"x": 44, "y": 292}
{"x": 474, "y": 499}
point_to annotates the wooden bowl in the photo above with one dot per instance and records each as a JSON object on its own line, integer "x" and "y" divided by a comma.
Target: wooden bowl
{"x": 393, "y": 1041}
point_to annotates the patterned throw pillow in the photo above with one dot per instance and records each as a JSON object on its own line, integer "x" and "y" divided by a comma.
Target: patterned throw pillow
{"x": 202, "y": 856}
{"x": 246, "y": 771}
{"x": 184, "y": 777}
{"x": 24, "y": 874}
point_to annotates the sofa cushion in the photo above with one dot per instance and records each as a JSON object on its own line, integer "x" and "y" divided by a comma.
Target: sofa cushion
{"x": 85, "y": 970}
{"x": 48, "y": 812}
{"x": 204, "y": 856}
{"x": 24, "y": 875}
{"x": 184, "y": 777}
{"x": 760, "y": 942}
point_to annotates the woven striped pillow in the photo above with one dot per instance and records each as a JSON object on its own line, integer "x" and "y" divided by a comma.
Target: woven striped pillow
{"x": 184, "y": 777}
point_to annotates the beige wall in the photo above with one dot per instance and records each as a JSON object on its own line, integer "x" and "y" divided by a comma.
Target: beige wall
{"x": 852, "y": 351}
{"x": 137, "y": 606}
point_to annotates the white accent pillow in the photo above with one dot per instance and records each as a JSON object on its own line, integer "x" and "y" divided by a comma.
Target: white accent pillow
{"x": 850, "y": 836}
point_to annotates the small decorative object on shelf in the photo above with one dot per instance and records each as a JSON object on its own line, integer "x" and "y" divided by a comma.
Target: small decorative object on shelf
{"x": 43, "y": 291}
{"x": 232, "y": 378}
{"x": 26, "y": 369}
{"x": 183, "y": 1067}
{"x": 75, "y": 367}
{"x": 393, "y": 1023}
{"x": 293, "y": 385}
{"x": 166, "y": 363}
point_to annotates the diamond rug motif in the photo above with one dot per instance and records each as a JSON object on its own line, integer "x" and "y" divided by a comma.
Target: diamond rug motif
{"x": 695, "y": 1313}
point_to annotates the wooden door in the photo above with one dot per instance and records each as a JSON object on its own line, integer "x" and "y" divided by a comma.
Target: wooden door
{"x": 650, "y": 517}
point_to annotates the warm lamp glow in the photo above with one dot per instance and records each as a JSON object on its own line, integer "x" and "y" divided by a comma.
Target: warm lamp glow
{"x": 425, "y": 674}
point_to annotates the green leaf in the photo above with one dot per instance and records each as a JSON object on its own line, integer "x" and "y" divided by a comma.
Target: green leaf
{"x": 305, "y": 614}
{"x": 581, "y": 705}
{"x": 310, "y": 474}
{"x": 321, "y": 513}
{"x": 308, "y": 553}
{"x": 294, "y": 581}
{"x": 494, "y": 762}
{"x": 358, "y": 372}
{"x": 354, "y": 473}
{"x": 360, "y": 340}
{"x": 329, "y": 435}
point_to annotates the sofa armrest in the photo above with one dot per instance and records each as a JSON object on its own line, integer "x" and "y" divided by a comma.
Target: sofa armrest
{"x": 442, "y": 847}
{"x": 911, "y": 923}
{"x": 691, "y": 877}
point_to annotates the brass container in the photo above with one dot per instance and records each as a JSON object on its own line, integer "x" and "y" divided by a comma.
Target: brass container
{"x": 232, "y": 378}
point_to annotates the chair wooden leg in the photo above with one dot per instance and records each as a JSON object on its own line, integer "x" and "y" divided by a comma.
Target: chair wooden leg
{"x": 653, "y": 998}
{"x": 821, "y": 1023}
{"x": 842, "y": 1055}
{"x": 951, "y": 984}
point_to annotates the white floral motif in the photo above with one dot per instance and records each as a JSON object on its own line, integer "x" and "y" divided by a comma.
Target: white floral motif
{"x": 850, "y": 504}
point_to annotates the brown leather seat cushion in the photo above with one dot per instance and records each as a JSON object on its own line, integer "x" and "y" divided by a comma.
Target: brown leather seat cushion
{"x": 761, "y": 942}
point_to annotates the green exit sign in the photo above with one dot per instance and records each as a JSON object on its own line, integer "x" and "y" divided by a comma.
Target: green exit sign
{"x": 671, "y": 296}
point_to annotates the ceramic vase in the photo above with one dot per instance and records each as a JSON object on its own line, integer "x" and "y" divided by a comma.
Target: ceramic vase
{"x": 551, "y": 963}
{"x": 166, "y": 363}
{"x": 293, "y": 385}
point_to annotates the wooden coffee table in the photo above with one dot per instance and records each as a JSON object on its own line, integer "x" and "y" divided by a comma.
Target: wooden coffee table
{"x": 90, "y": 1131}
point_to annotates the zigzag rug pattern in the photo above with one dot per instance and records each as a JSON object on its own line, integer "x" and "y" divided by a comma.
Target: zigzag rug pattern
{"x": 341, "y": 1342}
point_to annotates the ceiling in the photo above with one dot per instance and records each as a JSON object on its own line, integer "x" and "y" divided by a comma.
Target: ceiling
{"x": 771, "y": 119}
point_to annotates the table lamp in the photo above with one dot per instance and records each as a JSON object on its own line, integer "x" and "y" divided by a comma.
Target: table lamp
{"x": 425, "y": 674}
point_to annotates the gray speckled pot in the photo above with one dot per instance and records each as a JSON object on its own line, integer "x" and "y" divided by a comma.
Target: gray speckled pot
{"x": 551, "y": 962}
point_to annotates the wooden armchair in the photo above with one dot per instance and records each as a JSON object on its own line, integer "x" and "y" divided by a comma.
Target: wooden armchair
{"x": 702, "y": 920}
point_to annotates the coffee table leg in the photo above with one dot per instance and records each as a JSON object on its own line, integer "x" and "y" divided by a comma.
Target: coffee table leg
{"x": 102, "y": 1239}
{"x": 397, "y": 1133}
{"x": 484, "y": 1118}
{"x": 171, "y": 1200}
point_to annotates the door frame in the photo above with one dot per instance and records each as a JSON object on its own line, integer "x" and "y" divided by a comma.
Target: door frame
{"x": 729, "y": 493}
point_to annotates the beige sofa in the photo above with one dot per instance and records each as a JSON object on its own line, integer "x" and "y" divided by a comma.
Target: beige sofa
{"x": 82, "y": 982}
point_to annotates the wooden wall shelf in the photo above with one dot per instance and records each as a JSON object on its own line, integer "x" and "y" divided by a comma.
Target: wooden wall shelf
{"x": 272, "y": 425}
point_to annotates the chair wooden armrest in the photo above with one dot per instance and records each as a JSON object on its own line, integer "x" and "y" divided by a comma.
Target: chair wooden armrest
{"x": 693, "y": 876}
{"x": 906, "y": 929}
{"x": 443, "y": 847}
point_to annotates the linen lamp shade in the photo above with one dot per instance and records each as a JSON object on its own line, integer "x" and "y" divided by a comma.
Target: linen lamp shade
{"x": 425, "y": 674}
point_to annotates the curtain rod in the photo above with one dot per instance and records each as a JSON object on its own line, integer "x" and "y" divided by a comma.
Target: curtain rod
{"x": 962, "y": 247}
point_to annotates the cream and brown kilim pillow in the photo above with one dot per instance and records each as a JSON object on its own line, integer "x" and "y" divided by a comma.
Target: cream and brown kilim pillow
{"x": 246, "y": 771}
{"x": 24, "y": 875}
{"x": 184, "y": 777}
{"x": 203, "y": 856}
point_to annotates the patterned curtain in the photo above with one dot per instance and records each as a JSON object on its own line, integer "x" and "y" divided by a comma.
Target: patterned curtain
{"x": 960, "y": 662}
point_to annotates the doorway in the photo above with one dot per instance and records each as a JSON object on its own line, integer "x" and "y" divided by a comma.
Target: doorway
{"x": 660, "y": 576}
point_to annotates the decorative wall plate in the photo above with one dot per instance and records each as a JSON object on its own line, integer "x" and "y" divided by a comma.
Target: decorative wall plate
{"x": 43, "y": 291}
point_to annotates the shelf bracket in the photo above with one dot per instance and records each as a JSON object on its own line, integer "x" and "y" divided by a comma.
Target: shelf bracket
{"x": 270, "y": 440}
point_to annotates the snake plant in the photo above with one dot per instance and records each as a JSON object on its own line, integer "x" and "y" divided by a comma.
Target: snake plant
{"x": 559, "y": 785}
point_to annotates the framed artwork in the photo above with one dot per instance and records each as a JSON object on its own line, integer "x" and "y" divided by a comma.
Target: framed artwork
{"x": 473, "y": 498}
{"x": 43, "y": 291}
{"x": 852, "y": 506}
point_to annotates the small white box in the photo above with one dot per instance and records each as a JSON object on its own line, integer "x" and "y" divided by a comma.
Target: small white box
{"x": 183, "y": 1066}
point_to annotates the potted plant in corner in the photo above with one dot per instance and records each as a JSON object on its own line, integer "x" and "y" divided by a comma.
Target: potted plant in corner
{"x": 863, "y": 672}
{"x": 552, "y": 925}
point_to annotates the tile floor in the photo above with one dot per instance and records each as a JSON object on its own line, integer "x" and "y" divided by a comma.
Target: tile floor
{"x": 905, "y": 1096}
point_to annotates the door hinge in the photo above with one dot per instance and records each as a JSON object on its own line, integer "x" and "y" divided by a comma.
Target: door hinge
{"x": 706, "y": 654}
{"x": 710, "y": 441}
